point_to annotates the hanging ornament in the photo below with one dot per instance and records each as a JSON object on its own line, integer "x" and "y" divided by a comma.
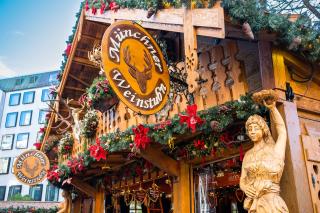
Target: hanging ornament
{"x": 247, "y": 30}
{"x": 215, "y": 126}
{"x": 128, "y": 197}
{"x": 140, "y": 195}
{"x": 141, "y": 138}
{"x": 153, "y": 193}
{"x": 239, "y": 195}
{"x": 171, "y": 142}
{"x": 295, "y": 43}
{"x": 151, "y": 12}
{"x": 213, "y": 200}
{"x": 192, "y": 119}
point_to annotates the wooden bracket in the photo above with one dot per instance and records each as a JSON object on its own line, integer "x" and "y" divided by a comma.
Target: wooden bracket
{"x": 83, "y": 187}
{"x": 161, "y": 160}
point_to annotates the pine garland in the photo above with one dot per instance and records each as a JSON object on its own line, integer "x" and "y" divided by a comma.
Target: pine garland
{"x": 211, "y": 140}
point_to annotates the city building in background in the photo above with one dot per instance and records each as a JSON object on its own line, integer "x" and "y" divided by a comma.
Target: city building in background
{"x": 23, "y": 107}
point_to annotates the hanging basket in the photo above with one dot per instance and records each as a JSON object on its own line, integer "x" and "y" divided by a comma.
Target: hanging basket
{"x": 105, "y": 104}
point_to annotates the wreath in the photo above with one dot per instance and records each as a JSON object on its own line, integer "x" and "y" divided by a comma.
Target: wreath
{"x": 66, "y": 143}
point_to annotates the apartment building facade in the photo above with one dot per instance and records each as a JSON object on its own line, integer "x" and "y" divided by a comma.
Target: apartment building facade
{"x": 23, "y": 107}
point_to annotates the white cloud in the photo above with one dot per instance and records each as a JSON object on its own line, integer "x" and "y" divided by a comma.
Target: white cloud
{"x": 5, "y": 71}
{"x": 18, "y": 33}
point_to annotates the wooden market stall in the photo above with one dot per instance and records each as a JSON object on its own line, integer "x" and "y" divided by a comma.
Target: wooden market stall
{"x": 212, "y": 62}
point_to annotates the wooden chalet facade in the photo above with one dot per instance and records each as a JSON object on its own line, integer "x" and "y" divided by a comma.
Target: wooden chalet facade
{"x": 220, "y": 65}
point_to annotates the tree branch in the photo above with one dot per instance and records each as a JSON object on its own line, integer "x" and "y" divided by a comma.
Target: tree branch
{"x": 311, "y": 8}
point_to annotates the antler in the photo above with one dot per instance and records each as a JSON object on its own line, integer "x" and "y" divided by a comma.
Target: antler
{"x": 147, "y": 59}
{"x": 127, "y": 58}
{"x": 63, "y": 120}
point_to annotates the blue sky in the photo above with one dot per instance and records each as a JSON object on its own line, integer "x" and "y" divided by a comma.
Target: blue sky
{"x": 33, "y": 34}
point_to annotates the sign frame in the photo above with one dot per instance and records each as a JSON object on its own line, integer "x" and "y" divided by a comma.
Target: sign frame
{"x": 42, "y": 165}
{"x": 139, "y": 78}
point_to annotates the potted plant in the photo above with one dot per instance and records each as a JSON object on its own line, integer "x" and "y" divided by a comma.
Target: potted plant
{"x": 99, "y": 95}
{"x": 65, "y": 144}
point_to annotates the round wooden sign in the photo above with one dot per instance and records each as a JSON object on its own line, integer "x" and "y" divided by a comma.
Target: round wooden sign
{"x": 135, "y": 67}
{"x": 31, "y": 167}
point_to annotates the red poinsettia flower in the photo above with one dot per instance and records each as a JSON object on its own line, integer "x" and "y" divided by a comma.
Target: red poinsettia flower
{"x": 225, "y": 138}
{"x": 93, "y": 10}
{"x": 192, "y": 119}
{"x": 102, "y": 8}
{"x": 68, "y": 50}
{"x": 52, "y": 174}
{"x": 199, "y": 144}
{"x": 113, "y": 6}
{"x": 97, "y": 152}
{"x": 41, "y": 130}
{"x": 87, "y": 5}
{"x": 141, "y": 138}
{"x": 37, "y": 145}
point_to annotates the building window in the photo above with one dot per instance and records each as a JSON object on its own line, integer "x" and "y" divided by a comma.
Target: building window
{"x": 25, "y": 118}
{"x": 2, "y": 192}
{"x": 19, "y": 81}
{"x": 4, "y": 165}
{"x": 46, "y": 96}
{"x": 11, "y": 119}
{"x": 28, "y": 97}
{"x": 42, "y": 116}
{"x": 35, "y": 192}
{"x": 33, "y": 79}
{"x": 7, "y": 142}
{"x": 12, "y": 164}
{"x": 14, "y": 99}
{"x": 22, "y": 140}
{"x": 14, "y": 190}
{"x": 52, "y": 77}
{"x": 135, "y": 207}
{"x": 52, "y": 193}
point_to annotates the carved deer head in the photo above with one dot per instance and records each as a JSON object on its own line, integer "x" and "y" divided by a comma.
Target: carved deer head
{"x": 31, "y": 170}
{"x": 141, "y": 76}
{"x": 66, "y": 122}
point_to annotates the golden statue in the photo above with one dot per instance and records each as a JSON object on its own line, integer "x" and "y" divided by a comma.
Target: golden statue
{"x": 65, "y": 206}
{"x": 262, "y": 165}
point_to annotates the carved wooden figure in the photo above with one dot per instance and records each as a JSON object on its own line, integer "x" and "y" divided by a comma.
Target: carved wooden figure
{"x": 262, "y": 165}
{"x": 65, "y": 206}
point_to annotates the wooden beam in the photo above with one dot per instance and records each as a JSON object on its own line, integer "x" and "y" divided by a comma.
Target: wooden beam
{"x": 208, "y": 22}
{"x": 160, "y": 160}
{"x": 90, "y": 37}
{"x": 265, "y": 62}
{"x": 79, "y": 80}
{"x": 83, "y": 187}
{"x": 75, "y": 88}
{"x": 84, "y": 61}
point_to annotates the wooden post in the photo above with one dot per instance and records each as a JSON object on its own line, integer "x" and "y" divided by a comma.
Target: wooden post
{"x": 182, "y": 202}
{"x": 76, "y": 205}
{"x": 98, "y": 203}
{"x": 265, "y": 62}
{"x": 294, "y": 183}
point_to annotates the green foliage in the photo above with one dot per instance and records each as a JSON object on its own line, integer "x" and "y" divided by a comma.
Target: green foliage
{"x": 28, "y": 210}
{"x": 19, "y": 197}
